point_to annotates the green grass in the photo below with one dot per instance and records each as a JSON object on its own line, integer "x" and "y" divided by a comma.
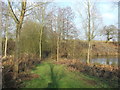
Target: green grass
{"x": 58, "y": 76}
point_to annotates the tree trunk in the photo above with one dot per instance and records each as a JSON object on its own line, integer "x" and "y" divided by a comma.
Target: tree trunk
{"x": 17, "y": 43}
{"x": 88, "y": 56}
{"x": 41, "y": 32}
{"x": 74, "y": 49}
{"x": 6, "y": 37}
{"x": 57, "y": 48}
{"x": 40, "y": 44}
{"x": 107, "y": 61}
{"x": 89, "y": 33}
{"x": 107, "y": 38}
{"x": 6, "y": 41}
{"x": 16, "y": 52}
{"x": 18, "y": 28}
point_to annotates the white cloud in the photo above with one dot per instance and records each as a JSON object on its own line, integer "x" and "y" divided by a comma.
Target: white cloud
{"x": 108, "y": 16}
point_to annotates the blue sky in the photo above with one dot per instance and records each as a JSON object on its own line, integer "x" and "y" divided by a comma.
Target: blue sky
{"x": 108, "y": 12}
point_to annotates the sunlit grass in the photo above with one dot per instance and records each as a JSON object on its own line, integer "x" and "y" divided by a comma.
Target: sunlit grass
{"x": 58, "y": 76}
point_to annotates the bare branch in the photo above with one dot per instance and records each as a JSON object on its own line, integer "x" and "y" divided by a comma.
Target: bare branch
{"x": 12, "y": 12}
{"x": 37, "y": 5}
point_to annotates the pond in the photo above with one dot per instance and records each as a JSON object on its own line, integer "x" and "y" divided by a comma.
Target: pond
{"x": 106, "y": 60}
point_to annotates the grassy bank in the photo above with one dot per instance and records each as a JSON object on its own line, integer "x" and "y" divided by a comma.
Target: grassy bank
{"x": 59, "y": 76}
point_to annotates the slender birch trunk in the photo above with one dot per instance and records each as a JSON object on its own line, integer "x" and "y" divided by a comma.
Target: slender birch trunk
{"x": 6, "y": 35}
{"x": 89, "y": 32}
{"x": 74, "y": 49}
{"x": 57, "y": 48}
{"x": 6, "y": 42}
{"x": 40, "y": 44}
{"x": 41, "y": 33}
{"x": 88, "y": 53}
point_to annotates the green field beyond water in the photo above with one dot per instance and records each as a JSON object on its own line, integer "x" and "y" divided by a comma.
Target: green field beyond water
{"x": 58, "y": 76}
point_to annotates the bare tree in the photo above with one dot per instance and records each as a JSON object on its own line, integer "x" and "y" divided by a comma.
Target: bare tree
{"x": 110, "y": 32}
{"x": 58, "y": 35}
{"x": 74, "y": 37}
{"x": 19, "y": 23}
{"x": 40, "y": 15}
{"x": 65, "y": 27}
{"x": 5, "y": 26}
{"x": 90, "y": 23}
{"x": 6, "y": 37}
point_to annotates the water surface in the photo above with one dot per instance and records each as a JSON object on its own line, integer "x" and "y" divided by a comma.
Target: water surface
{"x": 106, "y": 60}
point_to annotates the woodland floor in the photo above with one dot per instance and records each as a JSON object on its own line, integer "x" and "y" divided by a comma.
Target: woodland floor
{"x": 59, "y": 76}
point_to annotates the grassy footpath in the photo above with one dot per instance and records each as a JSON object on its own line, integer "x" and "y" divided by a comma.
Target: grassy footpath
{"x": 58, "y": 76}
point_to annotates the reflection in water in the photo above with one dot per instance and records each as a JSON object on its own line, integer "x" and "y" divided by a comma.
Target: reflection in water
{"x": 103, "y": 60}
{"x": 107, "y": 61}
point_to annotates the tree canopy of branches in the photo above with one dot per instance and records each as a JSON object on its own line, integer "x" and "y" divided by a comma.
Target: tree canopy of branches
{"x": 110, "y": 32}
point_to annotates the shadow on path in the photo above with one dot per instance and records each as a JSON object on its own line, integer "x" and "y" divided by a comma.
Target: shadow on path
{"x": 53, "y": 83}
